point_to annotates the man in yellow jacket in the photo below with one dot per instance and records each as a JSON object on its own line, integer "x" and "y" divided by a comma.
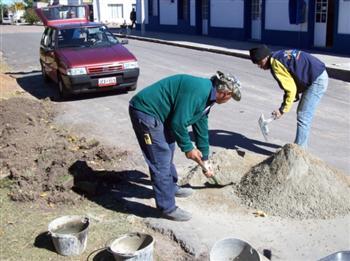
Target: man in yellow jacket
{"x": 302, "y": 77}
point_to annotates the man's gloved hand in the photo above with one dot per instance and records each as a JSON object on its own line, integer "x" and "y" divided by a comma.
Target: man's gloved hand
{"x": 210, "y": 172}
{"x": 276, "y": 114}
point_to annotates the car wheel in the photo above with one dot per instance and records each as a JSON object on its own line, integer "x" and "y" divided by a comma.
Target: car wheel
{"x": 46, "y": 78}
{"x": 132, "y": 88}
{"x": 63, "y": 92}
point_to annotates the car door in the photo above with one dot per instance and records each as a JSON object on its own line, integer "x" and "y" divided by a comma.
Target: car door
{"x": 47, "y": 53}
{"x": 51, "y": 59}
{"x": 43, "y": 49}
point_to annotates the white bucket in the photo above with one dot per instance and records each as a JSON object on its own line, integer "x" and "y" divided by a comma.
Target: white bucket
{"x": 233, "y": 249}
{"x": 132, "y": 247}
{"x": 69, "y": 234}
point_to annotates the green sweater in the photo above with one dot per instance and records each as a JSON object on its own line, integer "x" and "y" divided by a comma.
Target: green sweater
{"x": 179, "y": 101}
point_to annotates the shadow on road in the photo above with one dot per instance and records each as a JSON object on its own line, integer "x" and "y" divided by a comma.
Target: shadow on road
{"x": 33, "y": 83}
{"x": 111, "y": 189}
{"x": 233, "y": 140}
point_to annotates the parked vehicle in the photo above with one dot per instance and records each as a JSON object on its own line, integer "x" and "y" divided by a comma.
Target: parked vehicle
{"x": 82, "y": 56}
{"x": 6, "y": 20}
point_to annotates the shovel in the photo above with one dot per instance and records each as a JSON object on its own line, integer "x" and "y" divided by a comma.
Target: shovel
{"x": 263, "y": 124}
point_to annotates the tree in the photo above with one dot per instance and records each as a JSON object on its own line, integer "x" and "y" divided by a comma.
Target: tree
{"x": 17, "y": 6}
{"x": 30, "y": 16}
{"x": 28, "y": 3}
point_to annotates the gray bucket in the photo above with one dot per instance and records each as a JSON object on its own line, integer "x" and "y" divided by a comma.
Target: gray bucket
{"x": 69, "y": 234}
{"x": 338, "y": 256}
{"x": 132, "y": 247}
{"x": 229, "y": 249}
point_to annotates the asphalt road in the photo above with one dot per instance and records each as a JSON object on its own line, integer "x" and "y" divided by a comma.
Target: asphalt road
{"x": 232, "y": 125}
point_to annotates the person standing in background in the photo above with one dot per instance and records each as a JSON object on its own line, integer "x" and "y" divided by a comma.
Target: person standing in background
{"x": 132, "y": 18}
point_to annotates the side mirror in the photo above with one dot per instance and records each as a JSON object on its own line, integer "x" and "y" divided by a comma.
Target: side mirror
{"x": 124, "y": 41}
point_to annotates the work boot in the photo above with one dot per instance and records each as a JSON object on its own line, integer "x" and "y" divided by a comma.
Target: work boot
{"x": 178, "y": 215}
{"x": 183, "y": 192}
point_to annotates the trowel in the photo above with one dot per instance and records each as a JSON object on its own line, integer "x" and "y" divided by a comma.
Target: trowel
{"x": 201, "y": 164}
{"x": 263, "y": 124}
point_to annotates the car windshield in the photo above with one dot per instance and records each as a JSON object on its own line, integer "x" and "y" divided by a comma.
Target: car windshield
{"x": 85, "y": 37}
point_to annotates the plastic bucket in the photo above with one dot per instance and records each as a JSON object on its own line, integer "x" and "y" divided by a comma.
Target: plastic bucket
{"x": 132, "y": 247}
{"x": 69, "y": 234}
{"x": 233, "y": 249}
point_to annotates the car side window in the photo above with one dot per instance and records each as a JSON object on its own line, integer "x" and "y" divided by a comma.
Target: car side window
{"x": 111, "y": 37}
{"x": 44, "y": 36}
{"x": 48, "y": 38}
{"x": 53, "y": 38}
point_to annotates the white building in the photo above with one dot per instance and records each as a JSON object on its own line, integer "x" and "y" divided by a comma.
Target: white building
{"x": 316, "y": 24}
{"x": 113, "y": 12}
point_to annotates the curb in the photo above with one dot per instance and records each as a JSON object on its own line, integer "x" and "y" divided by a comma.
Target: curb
{"x": 188, "y": 46}
{"x": 335, "y": 73}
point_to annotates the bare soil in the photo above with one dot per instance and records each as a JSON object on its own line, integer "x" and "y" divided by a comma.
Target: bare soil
{"x": 47, "y": 172}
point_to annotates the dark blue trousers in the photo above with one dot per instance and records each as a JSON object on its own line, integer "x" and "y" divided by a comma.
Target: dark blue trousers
{"x": 158, "y": 145}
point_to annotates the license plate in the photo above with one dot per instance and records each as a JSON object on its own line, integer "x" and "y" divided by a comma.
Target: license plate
{"x": 107, "y": 81}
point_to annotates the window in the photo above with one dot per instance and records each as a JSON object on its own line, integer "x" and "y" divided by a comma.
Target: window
{"x": 47, "y": 38}
{"x": 115, "y": 11}
{"x": 256, "y": 10}
{"x": 321, "y": 11}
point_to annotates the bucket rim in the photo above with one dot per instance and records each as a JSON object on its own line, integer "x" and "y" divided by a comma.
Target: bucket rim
{"x": 83, "y": 218}
{"x": 129, "y": 255}
{"x": 230, "y": 238}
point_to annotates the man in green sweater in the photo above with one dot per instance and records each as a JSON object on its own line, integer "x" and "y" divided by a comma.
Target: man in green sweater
{"x": 160, "y": 115}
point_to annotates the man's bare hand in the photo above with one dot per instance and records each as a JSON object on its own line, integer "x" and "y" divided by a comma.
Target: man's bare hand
{"x": 276, "y": 114}
{"x": 208, "y": 172}
{"x": 195, "y": 155}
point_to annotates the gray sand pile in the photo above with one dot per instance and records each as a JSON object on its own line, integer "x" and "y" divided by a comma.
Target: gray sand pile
{"x": 229, "y": 166}
{"x": 293, "y": 183}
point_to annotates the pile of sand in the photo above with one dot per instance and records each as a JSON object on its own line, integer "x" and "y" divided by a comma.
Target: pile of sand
{"x": 229, "y": 166}
{"x": 293, "y": 183}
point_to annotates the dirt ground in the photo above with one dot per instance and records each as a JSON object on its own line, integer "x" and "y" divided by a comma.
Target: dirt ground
{"x": 47, "y": 172}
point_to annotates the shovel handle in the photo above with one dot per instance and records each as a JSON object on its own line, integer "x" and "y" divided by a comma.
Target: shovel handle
{"x": 201, "y": 164}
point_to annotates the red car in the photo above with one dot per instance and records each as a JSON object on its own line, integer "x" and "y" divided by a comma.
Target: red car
{"x": 82, "y": 56}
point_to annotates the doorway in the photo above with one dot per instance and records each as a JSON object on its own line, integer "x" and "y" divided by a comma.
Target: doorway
{"x": 324, "y": 23}
{"x": 202, "y": 14}
{"x": 256, "y": 19}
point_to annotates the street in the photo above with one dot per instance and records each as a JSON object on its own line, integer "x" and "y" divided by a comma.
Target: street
{"x": 233, "y": 125}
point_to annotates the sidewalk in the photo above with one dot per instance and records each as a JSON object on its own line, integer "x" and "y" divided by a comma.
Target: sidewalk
{"x": 338, "y": 67}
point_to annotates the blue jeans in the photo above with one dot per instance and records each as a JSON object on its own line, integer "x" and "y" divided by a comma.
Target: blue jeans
{"x": 158, "y": 145}
{"x": 307, "y": 106}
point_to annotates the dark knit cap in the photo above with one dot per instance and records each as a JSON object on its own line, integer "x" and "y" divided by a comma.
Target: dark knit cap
{"x": 259, "y": 53}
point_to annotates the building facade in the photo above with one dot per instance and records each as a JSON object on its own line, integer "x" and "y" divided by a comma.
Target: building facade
{"x": 111, "y": 12}
{"x": 115, "y": 12}
{"x": 308, "y": 24}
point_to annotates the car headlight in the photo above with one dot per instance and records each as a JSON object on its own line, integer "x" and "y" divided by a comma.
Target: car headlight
{"x": 76, "y": 71}
{"x": 131, "y": 65}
